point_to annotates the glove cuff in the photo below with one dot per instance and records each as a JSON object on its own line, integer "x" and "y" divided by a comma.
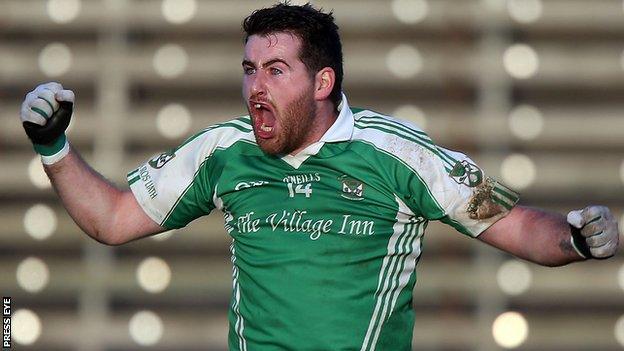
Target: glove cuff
{"x": 579, "y": 243}
{"x": 54, "y": 151}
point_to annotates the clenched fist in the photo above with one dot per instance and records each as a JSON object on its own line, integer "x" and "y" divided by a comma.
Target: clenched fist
{"x": 595, "y": 232}
{"x": 46, "y": 112}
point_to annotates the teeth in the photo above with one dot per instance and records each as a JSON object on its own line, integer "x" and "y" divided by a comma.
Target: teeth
{"x": 258, "y": 106}
{"x": 265, "y": 128}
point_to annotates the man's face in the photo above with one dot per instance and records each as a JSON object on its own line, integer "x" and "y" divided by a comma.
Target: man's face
{"x": 278, "y": 92}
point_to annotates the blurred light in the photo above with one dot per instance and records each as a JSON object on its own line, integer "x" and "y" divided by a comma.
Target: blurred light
{"x": 55, "y": 59}
{"x": 619, "y": 330}
{"x": 413, "y": 114}
{"x": 178, "y": 11}
{"x": 170, "y": 61}
{"x": 621, "y": 276}
{"x": 410, "y": 11}
{"x": 404, "y": 61}
{"x": 32, "y": 274}
{"x": 163, "y": 236}
{"x": 37, "y": 175}
{"x": 622, "y": 172}
{"x": 520, "y": 61}
{"x": 173, "y": 121}
{"x": 146, "y": 328}
{"x": 40, "y": 221}
{"x": 510, "y": 330}
{"x": 525, "y": 11}
{"x": 153, "y": 274}
{"x": 25, "y": 326}
{"x": 526, "y": 122}
{"x": 63, "y": 11}
{"x": 518, "y": 171}
{"x": 514, "y": 277}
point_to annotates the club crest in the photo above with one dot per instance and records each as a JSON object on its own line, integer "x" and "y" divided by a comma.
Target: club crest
{"x": 466, "y": 173}
{"x": 160, "y": 160}
{"x": 352, "y": 189}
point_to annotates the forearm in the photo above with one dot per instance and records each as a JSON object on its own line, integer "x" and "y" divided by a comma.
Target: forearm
{"x": 549, "y": 242}
{"x": 89, "y": 198}
{"x": 106, "y": 213}
{"x": 535, "y": 235}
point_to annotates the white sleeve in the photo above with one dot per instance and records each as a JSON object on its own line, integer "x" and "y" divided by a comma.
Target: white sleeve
{"x": 447, "y": 185}
{"x": 171, "y": 186}
{"x": 472, "y": 201}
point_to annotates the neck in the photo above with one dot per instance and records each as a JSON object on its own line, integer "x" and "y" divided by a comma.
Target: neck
{"x": 325, "y": 117}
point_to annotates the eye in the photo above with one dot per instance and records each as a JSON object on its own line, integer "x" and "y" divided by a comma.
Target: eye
{"x": 276, "y": 71}
{"x": 248, "y": 70}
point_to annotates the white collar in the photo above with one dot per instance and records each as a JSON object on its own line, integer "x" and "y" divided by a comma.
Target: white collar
{"x": 342, "y": 129}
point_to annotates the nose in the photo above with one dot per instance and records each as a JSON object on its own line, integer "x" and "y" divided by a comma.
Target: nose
{"x": 257, "y": 85}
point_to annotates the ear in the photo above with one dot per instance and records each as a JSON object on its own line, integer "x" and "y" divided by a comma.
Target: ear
{"x": 324, "y": 81}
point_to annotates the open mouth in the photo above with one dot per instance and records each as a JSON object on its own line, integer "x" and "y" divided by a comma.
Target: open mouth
{"x": 263, "y": 119}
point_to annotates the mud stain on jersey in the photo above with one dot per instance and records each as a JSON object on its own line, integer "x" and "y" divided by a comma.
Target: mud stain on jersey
{"x": 481, "y": 204}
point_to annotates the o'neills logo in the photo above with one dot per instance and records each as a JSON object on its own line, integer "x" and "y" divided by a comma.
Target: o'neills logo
{"x": 160, "y": 160}
{"x": 302, "y": 178}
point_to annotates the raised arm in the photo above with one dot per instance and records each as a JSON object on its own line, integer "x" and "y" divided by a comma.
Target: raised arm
{"x": 546, "y": 238}
{"x": 106, "y": 213}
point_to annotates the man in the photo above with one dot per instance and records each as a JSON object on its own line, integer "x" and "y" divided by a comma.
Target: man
{"x": 326, "y": 204}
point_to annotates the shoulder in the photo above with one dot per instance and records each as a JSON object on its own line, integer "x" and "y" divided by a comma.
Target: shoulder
{"x": 369, "y": 123}
{"x": 220, "y": 136}
{"x": 234, "y": 129}
{"x": 390, "y": 134}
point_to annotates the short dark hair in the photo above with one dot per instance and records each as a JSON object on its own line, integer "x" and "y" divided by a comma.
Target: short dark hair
{"x": 320, "y": 41}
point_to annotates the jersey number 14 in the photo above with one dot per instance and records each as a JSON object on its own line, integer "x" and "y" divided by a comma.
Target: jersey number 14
{"x": 299, "y": 189}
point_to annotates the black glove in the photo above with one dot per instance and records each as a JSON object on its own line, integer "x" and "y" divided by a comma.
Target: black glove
{"x": 54, "y": 127}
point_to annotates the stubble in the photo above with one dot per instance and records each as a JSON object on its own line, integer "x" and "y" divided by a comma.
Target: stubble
{"x": 296, "y": 124}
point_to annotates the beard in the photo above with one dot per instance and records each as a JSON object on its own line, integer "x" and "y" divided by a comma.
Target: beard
{"x": 294, "y": 124}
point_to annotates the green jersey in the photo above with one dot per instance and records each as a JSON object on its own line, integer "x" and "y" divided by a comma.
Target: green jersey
{"x": 324, "y": 243}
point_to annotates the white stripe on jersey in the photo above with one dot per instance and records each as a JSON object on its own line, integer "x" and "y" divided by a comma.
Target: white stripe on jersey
{"x": 239, "y": 326}
{"x": 450, "y": 196}
{"x": 396, "y": 269}
{"x": 180, "y": 171}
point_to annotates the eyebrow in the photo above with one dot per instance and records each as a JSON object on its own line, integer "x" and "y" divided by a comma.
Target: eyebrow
{"x": 266, "y": 64}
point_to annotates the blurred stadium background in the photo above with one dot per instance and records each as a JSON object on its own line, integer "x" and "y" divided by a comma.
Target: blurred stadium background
{"x": 531, "y": 89}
